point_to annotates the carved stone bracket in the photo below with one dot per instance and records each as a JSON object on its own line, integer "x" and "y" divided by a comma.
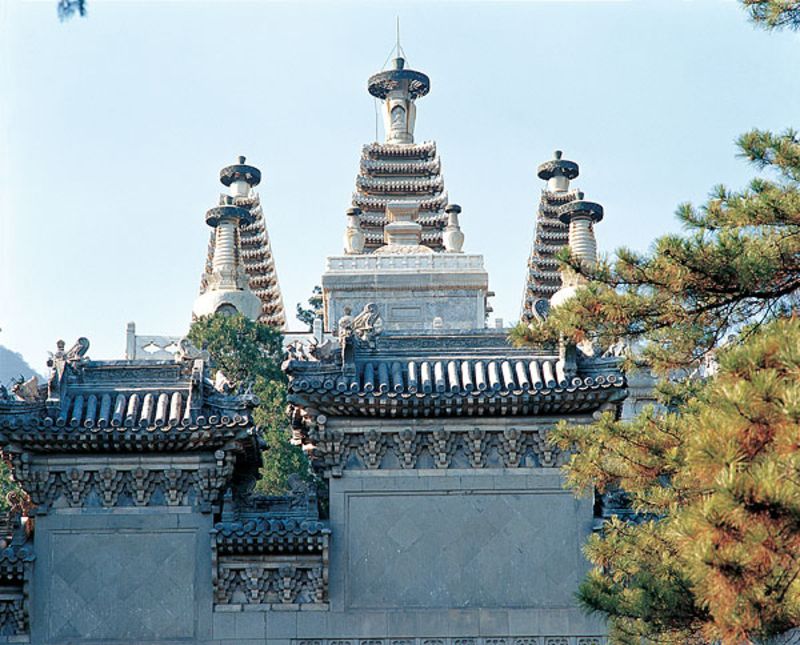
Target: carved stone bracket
{"x": 260, "y": 580}
{"x": 123, "y": 482}
{"x": 332, "y": 450}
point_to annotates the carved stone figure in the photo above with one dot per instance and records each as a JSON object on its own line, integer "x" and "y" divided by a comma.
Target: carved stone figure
{"x": 187, "y": 351}
{"x": 78, "y": 351}
{"x": 27, "y": 390}
{"x": 617, "y": 349}
{"x": 354, "y": 238}
{"x": 398, "y": 118}
{"x": 222, "y": 383}
{"x": 57, "y": 364}
{"x": 368, "y": 325}
{"x": 344, "y": 328}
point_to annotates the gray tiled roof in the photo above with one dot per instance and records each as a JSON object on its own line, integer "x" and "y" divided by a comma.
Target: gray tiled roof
{"x": 409, "y": 375}
{"x": 264, "y": 535}
{"x": 128, "y": 405}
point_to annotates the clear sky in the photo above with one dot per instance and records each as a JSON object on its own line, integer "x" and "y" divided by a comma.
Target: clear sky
{"x": 114, "y": 128}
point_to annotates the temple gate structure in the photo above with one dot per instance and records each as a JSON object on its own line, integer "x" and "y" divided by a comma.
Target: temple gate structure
{"x": 441, "y": 518}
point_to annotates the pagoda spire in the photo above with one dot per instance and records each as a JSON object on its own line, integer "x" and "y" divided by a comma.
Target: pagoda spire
{"x": 551, "y": 235}
{"x": 240, "y": 270}
{"x": 399, "y": 171}
{"x": 398, "y": 88}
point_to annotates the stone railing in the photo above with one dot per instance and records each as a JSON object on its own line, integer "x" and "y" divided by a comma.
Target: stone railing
{"x": 411, "y": 262}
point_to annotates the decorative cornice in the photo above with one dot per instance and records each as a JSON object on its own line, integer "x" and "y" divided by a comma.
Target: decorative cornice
{"x": 333, "y": 450}
{"x": 387, "y": 151}
{"x": 15, "y": 562}
{"x": 124, "y": 482}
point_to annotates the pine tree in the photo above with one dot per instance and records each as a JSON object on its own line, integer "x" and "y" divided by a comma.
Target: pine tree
{"x": 307, "y": 315}
{"x": 249, "y": 354}
{"x": 716, "y": 481}
{"x": 714, "y": 470}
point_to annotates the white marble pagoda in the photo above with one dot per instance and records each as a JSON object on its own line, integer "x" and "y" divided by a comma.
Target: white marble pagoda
{"x": 240, "y": 270}
{"x": 401, "y": 225}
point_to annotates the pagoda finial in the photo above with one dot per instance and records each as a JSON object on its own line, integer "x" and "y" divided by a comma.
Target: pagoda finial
{"x": 240, "y": 177}
{"x": 557, "y": 172}
{"x": 399, "y": 88}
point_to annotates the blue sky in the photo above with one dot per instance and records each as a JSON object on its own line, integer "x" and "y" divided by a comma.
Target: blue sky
{"x": 114, "y": 128}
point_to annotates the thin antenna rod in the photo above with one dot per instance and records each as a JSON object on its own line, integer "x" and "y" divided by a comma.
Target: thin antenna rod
{"x": 375, "y": 103}
{"x": 398, "y": 36}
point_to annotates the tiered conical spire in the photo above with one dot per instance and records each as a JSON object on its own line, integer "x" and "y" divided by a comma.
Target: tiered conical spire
{"x": 399, "y": 170}
{"x": 551, "y": 235}
{"x": 254, "y": 250}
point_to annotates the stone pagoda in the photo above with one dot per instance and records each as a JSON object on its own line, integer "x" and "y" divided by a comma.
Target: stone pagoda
{"x": 551, "y": 235}
{"x": 240, "y": 270}
{"x": 400, "y": 226}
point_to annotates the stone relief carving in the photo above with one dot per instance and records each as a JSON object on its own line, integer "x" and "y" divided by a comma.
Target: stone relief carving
{"x": 128, "y": 485}
{"x": 332, "y": 450}
{"x": 260, "y": 582}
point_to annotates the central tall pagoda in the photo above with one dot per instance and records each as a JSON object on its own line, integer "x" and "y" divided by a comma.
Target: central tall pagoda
{"x": 401, "y": 226}
{"x": 400, "y": 170}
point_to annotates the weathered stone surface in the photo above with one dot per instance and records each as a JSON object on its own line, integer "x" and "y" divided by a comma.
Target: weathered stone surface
{"x": 474, "y": 541}
{"x": 128, "y": 578}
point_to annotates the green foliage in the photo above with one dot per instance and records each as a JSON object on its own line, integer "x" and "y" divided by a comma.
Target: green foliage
{"x": 309, "y": 314}
{"x": 12, "y": 497}
{"x": 719, "y": 560}
{"x": 249, "y": 353}
{"x": 774, "y": 14}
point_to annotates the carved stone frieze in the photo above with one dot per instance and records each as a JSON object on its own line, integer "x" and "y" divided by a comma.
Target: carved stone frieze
{"x": 124, "y": 483}
{"x": 407, "y": 447}
{"x": 16, "y": 568}
{"x": 332, "y": 449}
{"x": 266, "y": 580}
{"x": 13, "y": 614}
{"x": 372, "y": 448}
